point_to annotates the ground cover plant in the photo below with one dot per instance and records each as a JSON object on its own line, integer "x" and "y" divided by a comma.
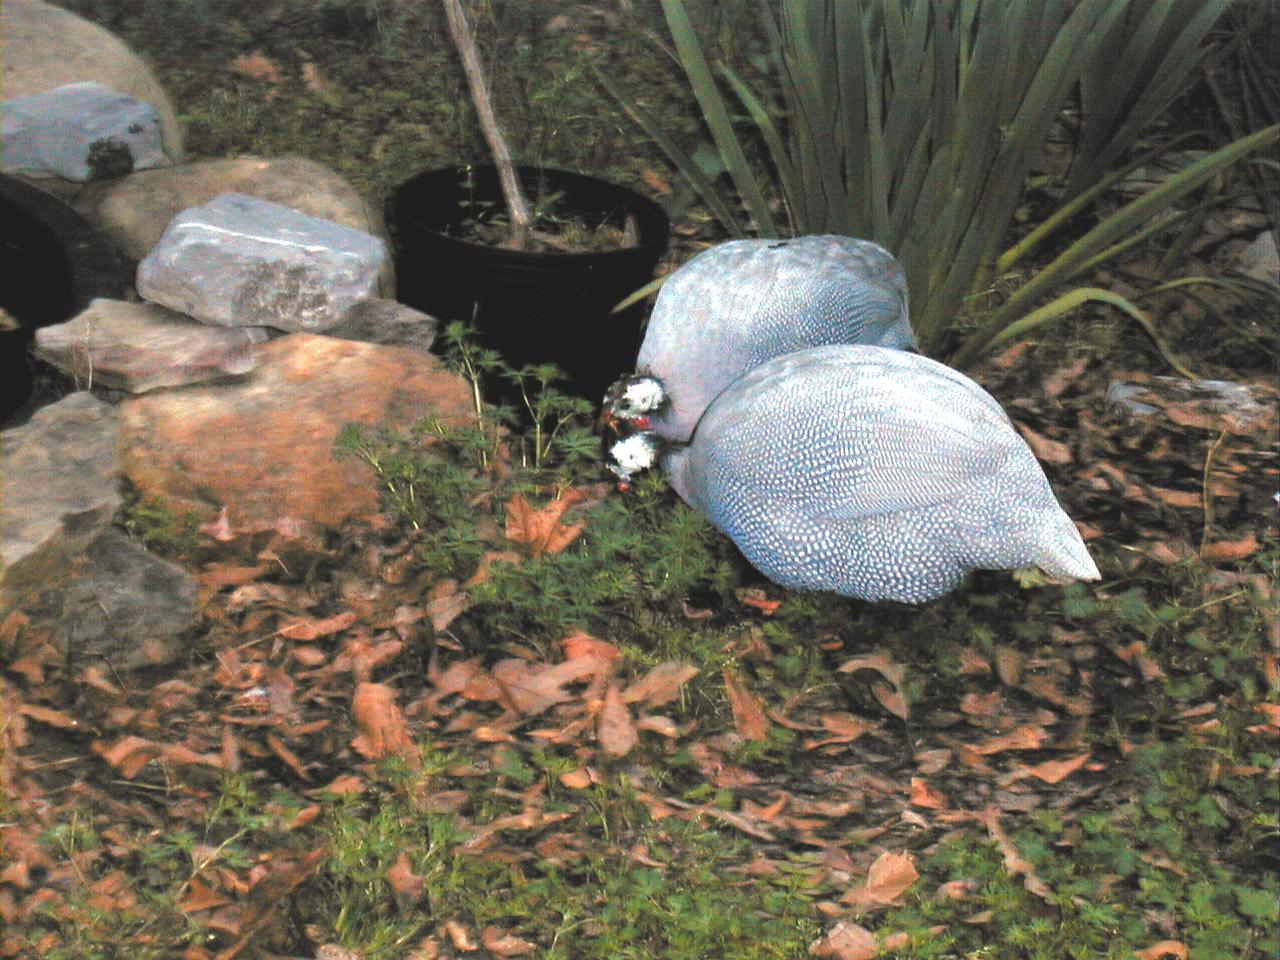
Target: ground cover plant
{"x": 524, "y": 716}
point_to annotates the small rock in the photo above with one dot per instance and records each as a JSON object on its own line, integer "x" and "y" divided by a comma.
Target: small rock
{"x": 138, "y": 347}
{"x": 45, "y": 46}
{"x": 1260, "y": 259}
{"x": 263, "y": 448}
{"x": 59, "y": 465}
{"x": 1153, "y": 396}
{"x": 81, "y": 131}
{"x": 243, "y": 262}
{"x": 389, "y": 323}
{"x": 135, "y": 210}
{"x": 101, "y": 594}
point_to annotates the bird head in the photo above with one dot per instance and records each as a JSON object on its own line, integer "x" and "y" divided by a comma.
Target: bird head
{"x": 631, "y": 400}
{"x": 634, "y": 454}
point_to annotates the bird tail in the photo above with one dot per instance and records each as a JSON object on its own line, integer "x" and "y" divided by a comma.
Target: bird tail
{"x": 1063, "y": 553}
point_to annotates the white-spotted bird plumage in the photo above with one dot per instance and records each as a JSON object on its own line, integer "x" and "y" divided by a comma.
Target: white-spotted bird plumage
{"x": 873, "y": 473}
{"x": 740, "y": 303}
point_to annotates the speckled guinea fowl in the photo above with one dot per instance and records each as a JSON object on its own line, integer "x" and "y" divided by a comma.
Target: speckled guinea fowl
{"x": 740, "y": 303}
{"x": 869, "y": 472}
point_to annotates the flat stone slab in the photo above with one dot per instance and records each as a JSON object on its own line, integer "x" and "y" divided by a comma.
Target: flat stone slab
{"x": 141, "y": 346}
{"x": 390, "y": 323}
{"x": 263, "y": 448}
{"x": 80, "y": 131}
{"x": 239, "y": 261}
{"x": 61, "y": 464}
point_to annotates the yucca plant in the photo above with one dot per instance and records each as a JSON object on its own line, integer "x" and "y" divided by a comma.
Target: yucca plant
{"x": 915, "y": 123}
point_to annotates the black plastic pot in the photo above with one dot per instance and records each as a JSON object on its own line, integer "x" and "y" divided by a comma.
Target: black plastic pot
{"x": 52, "y": 263}
{"x": 532, "y": 307}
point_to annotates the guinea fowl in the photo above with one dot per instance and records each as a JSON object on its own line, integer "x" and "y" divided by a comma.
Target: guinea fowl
{"x": 740, "y": 303}
{"x": 870, "y": 472}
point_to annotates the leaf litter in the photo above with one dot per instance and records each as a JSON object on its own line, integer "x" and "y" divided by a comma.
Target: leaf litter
{"x": 316, "y": 691}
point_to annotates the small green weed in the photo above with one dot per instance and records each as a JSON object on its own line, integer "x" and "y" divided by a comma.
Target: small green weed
{"x": 161, "y": 529}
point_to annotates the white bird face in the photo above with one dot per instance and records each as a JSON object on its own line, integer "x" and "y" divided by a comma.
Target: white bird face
{"x": 632, "y": 399}
{"x": 634, "y": 454}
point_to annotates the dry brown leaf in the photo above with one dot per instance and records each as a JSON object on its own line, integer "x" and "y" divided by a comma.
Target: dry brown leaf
{"x": 445, "y": 603}
{"x": 843, "y": 727}
{"x": 656, "y": 723}
{"x": 309, "y": 629}
{"x": 1227, "y": 550}
{"x": 616, "y": 732}
{"x": 1009, "y": 665}
{"x": 923, "y": 795}
{"x": 199, "y": 897}
{"x": 504, "y": 944}
{"x": 383, "y": 730}
{"x": 890, "y": 876}
{"x": 578, "y": 779}
{"x": 1165, "y": 948}
{"x": 1024, "y": 737}
{"x": 219, "y": 528}
{"x": 1051, "y": 771}
{"x": 846, "y": 941}
{"x": 748, "y": 715}
{"x": 655, "y": 182}
{"x": 407, "y": 886}
{"x": 755, "y": 597}
{"x": 661, "y": 684}
{"x": 1050, "y": 451}
{"x": 46, "y": 715}
{"x": 531, "y": 688}
{"x": 583, "y": 645}
{"x": 460, "y": 937}
{"x": 982, "y": 704}
{"x": 541, "y": 531}
{"x": 892, "y": 699}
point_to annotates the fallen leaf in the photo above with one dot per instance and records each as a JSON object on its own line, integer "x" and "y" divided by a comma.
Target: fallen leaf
{"x": 616, "y": 732}
{"x": 541, "y": 531}
{"x": 1226, "y": 550}
{"x": 661, "y": 684}
{"x": 1051, "y": 771}
{"x": 312, "y": 629}
{"x": 923, "y": 795}
{"x": 504, "y": 944}
{"x": 219, "y": 528}
{"x": 1050, "y": 451}
{"x": 582, "y": 645}
{"x": 846, "y": 941}
{"x": 1165, "y": 948}
{"x": 460, "y": 937}
{"x": 748, "y": 715}
{"x": 755, "y": 597}
{"x": 200, "y": 896}
{"x": 578, "y": 779}
{"x": 383, "y": 730}
{"x": 407, "y": 886}
{"x": 889, "y": 877}
{"x": 445, "y": 603}
{"x": 46, "y": 715}
{"x": 1024, "y": 737}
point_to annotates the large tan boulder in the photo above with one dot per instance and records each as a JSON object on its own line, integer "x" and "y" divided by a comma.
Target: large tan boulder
{"x": 263, "y": 448}
{"x": 135, "y": 210}
{"x": 43, "y": 46}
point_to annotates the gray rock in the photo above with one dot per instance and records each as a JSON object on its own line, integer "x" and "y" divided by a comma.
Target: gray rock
{"x": 81, "y": 131}
{"x": 43, "y": 46}
{"x": 1260, "y": 259}
{"x": 239, "y": 261}
{"x": 1217, "y": 397}
{"x": 60, "y": 464}
{"x": 389, "y": 323}
{"x": 141, "y": 346}
{"x": 101, "y": 595}
{"x": 135, "y": 210}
